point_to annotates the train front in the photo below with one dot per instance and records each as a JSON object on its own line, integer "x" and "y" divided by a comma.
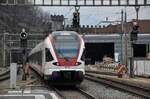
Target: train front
{"x": 69, "y": 48}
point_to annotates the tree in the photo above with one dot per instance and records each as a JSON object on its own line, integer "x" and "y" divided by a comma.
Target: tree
{"x": 14, "y": 18}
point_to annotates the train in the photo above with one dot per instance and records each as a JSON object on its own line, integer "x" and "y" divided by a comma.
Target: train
{"x": 59, "y": 58}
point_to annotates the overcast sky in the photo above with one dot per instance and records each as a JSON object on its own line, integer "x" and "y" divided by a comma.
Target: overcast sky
{"x": 94, "y": 15}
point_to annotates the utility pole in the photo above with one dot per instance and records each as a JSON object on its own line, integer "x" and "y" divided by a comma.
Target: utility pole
{"x": 122, "y": 32}
{"x": 137, "y": 12}
{"x": 134, "y": 37}
{"x": 126, "y": 41}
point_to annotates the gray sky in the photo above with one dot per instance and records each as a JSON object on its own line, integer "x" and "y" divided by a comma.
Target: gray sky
{"x": 94, "y": 15}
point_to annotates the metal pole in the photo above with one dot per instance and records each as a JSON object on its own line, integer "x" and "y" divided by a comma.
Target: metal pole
{"x": 132, "y": 46}
{"x": 122, "y": 28}
{"x": 10, "y": 56}
{"x": 23, "y": 65}
{"x": 10, "y": 45}
{"x": 131, "y": 62}
{"x": 137, "y": 12}
{"x": 126, "y": 42}
{"x": 4, "y": 50}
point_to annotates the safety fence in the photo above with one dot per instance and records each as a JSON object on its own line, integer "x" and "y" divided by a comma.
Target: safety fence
{"x": 141, "y": 67}
{"x": 107, "y": 67}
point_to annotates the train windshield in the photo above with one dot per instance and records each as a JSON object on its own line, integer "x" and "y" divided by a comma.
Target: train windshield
{"x": 66, "y": 46}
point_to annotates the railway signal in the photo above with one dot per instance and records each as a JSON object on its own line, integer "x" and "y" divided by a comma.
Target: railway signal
{"x": 134, "y": 32}
{"x": 23, "y": 38}
{"x": 76, "y": 19}
{"x": 133, "y": 38}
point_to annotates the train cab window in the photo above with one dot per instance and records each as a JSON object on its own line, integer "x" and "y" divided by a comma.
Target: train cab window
{"x": 48, "y": 55}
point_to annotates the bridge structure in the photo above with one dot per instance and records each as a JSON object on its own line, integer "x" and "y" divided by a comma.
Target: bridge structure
{"x": 97, "y": 3}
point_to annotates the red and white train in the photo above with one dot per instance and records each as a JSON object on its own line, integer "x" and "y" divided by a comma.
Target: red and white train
{"x": 60, "y": 58}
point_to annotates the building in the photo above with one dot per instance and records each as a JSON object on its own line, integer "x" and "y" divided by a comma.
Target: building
{"x": 111, "y": 29}
{"x": 109, "y": 40}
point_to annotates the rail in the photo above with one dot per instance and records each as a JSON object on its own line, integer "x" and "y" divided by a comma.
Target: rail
{"x": 59, "y": 92}
{"x": 86, "y": 93}
{"x": 74, "y": 89}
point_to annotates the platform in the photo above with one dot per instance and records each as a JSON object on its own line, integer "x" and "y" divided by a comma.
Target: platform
{"x": 25, "y": 89}
{"x": 29, "y": 94}
{"x": 137, "y": 81}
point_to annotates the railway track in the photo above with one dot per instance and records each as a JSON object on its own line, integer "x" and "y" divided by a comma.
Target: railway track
{"x": 73, "y": 93}
{"x": 64, "y": 92}
{"x": 137, "y": 90}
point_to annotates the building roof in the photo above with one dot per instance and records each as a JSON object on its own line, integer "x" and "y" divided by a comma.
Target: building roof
{"x": 144, "y": 28}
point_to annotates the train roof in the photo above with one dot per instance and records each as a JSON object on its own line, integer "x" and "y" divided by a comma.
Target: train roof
{"x": 64, "y": 33}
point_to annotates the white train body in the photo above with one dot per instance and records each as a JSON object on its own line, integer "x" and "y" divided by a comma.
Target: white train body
{"x": 59, "y": 58}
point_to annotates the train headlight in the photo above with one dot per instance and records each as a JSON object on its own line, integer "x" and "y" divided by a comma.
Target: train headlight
{"x": 56, "y": 63}
{"x": 78, "y": 63}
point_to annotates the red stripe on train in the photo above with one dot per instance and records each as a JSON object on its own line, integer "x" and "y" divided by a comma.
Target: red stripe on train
{"x": 67, "y": 62}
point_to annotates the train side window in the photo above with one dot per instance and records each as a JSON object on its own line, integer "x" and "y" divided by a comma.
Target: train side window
{"x": 48, "y": 55}
{"x": 83, "y": 55}
{"x": 39, "y": 58}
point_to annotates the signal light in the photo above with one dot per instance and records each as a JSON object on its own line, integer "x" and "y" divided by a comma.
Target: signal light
{"x": 77, "y": 14}
{"x": 134, "y": 33}
{"x": 23, "y": 39}
{"x": 76, "y": 19}
{"x": 23, "y": 35}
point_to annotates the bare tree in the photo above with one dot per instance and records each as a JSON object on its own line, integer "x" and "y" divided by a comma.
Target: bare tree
{"x": 14, "y": 18}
